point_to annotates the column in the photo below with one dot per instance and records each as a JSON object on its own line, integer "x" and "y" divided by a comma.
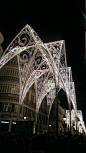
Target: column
{"x": 10, "y": 124}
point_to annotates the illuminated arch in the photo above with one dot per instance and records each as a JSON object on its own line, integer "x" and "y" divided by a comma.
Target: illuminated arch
{"x": 43, "y": 64}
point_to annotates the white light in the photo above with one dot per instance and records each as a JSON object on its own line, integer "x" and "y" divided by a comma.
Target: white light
{"x": 14, "y": 122}
{"x": 33, "y": 130}
{"x": 6, "y": 122}
{"x": 53, "y": 56}
{"x": 25, "y": 118}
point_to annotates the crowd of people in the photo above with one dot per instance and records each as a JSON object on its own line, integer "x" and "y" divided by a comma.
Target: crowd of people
{"x": 41, "y": 143}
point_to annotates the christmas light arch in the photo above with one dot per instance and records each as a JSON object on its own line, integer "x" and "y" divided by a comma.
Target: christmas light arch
{"x": 41, "y": 63}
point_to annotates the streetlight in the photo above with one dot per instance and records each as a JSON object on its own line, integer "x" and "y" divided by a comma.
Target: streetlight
{"x": 64, "y": 118}
{"x": 25, "y": 117}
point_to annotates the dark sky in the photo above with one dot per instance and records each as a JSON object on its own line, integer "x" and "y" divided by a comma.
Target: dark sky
{"x": 53, "y": 21}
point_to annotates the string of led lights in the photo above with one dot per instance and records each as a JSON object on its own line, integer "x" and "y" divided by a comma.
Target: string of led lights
{"x": 45, "y": 65}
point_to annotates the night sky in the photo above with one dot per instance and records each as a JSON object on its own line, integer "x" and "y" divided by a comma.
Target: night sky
{"x": 53, "y": 21}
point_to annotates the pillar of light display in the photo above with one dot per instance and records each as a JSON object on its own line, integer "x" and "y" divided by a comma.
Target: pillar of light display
{"x": 79, "y": 125}
{"x": 44, "y": 64}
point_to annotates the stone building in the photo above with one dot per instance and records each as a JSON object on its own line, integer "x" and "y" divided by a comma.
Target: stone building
{"x": 10, "y": 110}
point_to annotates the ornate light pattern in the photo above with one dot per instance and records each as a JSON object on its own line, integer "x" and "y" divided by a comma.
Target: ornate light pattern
{"x": 76, "y": 118}
{"x": 42, "y": 63}
{"x": 73, "y": 117}
{"x": 80, "y": 116}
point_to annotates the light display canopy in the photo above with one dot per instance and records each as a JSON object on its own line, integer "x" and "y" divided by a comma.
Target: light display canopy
{"x": 41, "y": 63}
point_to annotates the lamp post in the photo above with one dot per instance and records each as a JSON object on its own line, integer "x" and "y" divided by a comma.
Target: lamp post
{"x": 64, "y": 118}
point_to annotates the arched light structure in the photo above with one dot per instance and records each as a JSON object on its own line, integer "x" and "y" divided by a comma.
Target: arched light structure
{"x": 41, "y": 63}
{"x": 79, "y": 121}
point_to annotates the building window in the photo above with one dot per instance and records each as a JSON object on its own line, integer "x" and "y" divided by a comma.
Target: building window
{"x": 27, "y": 97}
{"x": 16, "y": 109}
{"x": 32, "y": 87}
{"x": 21, "y": 109}
{"x": 14, "y": 62}
{"x": 7, "y": 107}
{"x": 29, "y": 112}
{"x": 24, "y": 111}
{"x": 32, "y": 98}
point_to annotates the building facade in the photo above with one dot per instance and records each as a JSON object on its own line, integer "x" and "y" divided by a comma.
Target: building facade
{"x": 11, "y": 111}
{"x": 52, "y": 120}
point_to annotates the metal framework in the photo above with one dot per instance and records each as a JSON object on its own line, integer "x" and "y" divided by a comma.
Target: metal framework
{"x": 41, "y": 63}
